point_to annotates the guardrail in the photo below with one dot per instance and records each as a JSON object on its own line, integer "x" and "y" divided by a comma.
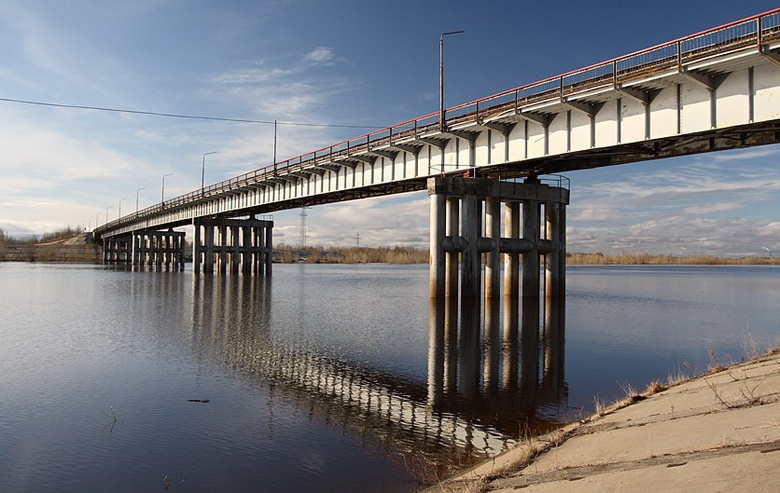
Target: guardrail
{"x": 758, "y": 30}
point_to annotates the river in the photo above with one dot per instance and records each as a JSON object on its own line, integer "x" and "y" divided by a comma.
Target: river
{"x": 315, "y": 379}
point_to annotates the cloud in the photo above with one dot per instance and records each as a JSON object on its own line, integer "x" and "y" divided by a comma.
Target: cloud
{"x": 321, "y": 55}
{"x": 713, "y": 208}
{"x": 381, "y": 221}
{"x": 254, "y": 75}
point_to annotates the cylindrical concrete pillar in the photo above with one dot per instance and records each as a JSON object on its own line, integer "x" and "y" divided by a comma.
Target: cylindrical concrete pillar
{"x": 437, "y": 261}
{"x": 512, "y": 260}
{"x": 452, "y": 230}
{"x": 208, "y": 266}
{"x": 470, "y": 258}
{"x": 196, "y": 248}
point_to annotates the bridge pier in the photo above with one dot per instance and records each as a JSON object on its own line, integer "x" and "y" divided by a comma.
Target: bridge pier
{"x": 465, "y": 234}
{"x": 240, "y": 245}
{"x": 148, "y": 247}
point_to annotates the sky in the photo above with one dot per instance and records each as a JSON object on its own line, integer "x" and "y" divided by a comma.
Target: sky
{"x": 328, "y": 71}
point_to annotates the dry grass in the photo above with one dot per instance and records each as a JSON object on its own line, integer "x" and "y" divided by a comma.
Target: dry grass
{"x": 655, "y": 386}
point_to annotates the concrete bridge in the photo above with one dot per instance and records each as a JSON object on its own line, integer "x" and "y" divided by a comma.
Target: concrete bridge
{"x": 490, "y": 168}
{"x": 481, "y": 162}
{"x": 714, "y": 90}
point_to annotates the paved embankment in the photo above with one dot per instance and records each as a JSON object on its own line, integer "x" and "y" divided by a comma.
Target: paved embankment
{"x": 74, "y": 250}
{"x": 719, "y": 432}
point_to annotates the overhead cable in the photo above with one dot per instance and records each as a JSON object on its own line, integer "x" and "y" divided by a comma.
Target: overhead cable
{"x": 177, "y": 115}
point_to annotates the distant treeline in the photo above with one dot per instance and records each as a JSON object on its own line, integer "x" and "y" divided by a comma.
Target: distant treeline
{"x": 651, "y": 259}
{"x": 353, "y": 255}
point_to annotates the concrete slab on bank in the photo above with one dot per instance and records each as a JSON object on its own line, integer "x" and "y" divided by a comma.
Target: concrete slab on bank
{"x": 719, "y": 432}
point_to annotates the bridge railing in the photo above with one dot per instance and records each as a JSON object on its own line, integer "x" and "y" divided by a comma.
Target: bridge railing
{"x": 759, "y": 30}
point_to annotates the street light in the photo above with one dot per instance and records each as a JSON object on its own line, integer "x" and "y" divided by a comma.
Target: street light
{"x": 162, "y": 190}
{"x": 107, "y": 208}
{"x": 119, "y": 212}
{"x": 441, "y": 75}
{"x": 203, "y": 171}
{"x": 136, "y": 200}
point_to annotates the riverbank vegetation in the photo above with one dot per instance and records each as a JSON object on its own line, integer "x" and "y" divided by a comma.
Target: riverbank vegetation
{"x": 408, "y": 255}
{"x": 352, "y": 255}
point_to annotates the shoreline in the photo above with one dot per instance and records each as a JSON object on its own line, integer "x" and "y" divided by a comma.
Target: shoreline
{"x": 687, "y": 422}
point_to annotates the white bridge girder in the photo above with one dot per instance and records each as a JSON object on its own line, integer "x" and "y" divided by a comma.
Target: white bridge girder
{"x": 711, "y": 91}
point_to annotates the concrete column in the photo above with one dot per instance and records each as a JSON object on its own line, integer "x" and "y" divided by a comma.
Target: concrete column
{"x": 437, "y": 260}
{"x": 512, "y": 260}
{"x": 493, "y": 261}
{"x": 552, "y": 259}
{"x": 269, "y": 248}
{"x": 209, "y": 244}
{"x": 236, "y": 248}
{"x": 223, "y": 247}
{"x": 452, "y": 230}
{"x": 196, "y": 249}
{"x": 470, "y": 258}
{"x": 529, "y": 334}
{"x": 246, "y": 257}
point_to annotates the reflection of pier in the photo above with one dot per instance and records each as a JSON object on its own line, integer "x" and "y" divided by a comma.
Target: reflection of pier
{"x": 231, "y": 323}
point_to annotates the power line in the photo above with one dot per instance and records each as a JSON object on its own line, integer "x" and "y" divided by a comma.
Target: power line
{"x": 178, "y": 115}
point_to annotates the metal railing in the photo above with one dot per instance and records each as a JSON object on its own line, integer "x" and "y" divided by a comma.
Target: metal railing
{"x": 759, "y": 31}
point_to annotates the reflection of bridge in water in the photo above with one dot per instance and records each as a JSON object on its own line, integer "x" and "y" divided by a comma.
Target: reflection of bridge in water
{"x": 469, "y": 418}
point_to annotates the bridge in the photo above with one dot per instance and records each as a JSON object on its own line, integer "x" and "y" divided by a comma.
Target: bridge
{"x": 494, "y": 158}
{"x": 709, "y": 91}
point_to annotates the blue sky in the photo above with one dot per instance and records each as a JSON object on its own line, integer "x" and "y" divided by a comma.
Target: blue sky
{"x": 342, "y": 64}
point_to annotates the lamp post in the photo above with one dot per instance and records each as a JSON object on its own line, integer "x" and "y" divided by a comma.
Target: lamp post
{"x": 162, "y": 189}
{"x": 441, "y": 75}
{"x": 107, "y": 208}
{"x": 136, "y": 200}
{"x": 203, "y": 171}
{"x": 119, "y": 212}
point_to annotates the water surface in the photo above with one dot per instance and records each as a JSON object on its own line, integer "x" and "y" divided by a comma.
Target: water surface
{"x": 316, "y": 379}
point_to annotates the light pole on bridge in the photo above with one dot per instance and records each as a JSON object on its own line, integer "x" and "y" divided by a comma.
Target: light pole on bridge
{"x": 162, "y": 189}
{"x": 441, "y": 75}
{"x": 136, "y": 200}
{"x": 119, "y": 212}
{"x": 107, "y": 208}
{"x": 203, "y": 171}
